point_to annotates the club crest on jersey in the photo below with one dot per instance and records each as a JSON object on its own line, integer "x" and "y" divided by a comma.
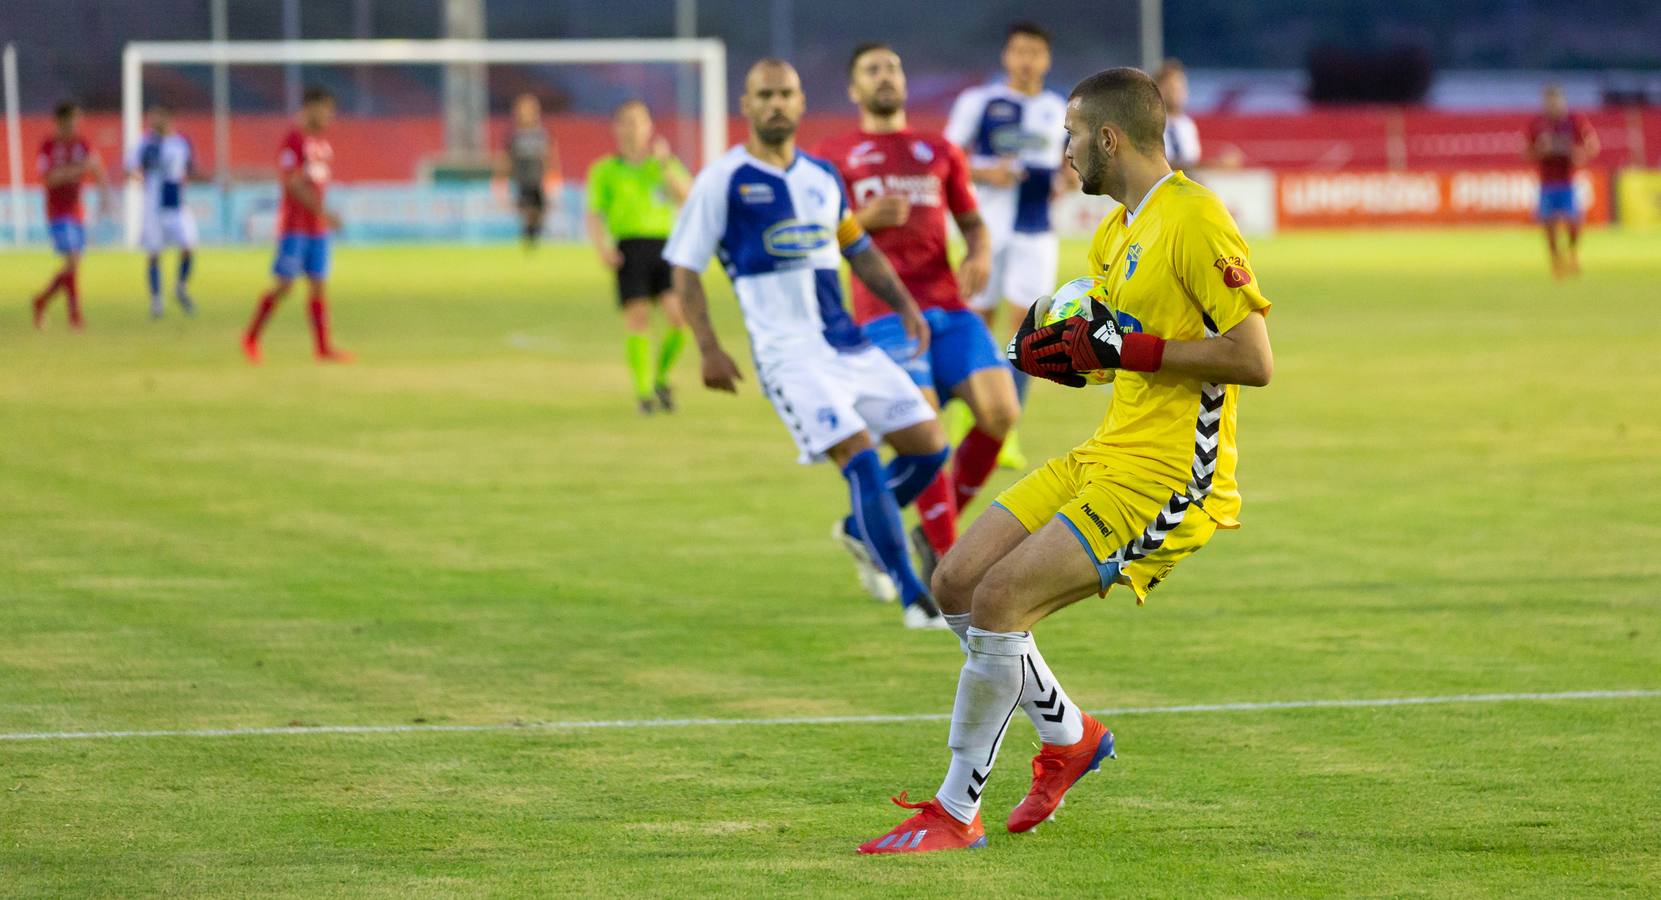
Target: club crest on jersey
{"x": 793, "y": 238}
{"x": 755, "y": 192}
{"x": 1132, "y": 255}
{"x": 922, "y": 152}
{"x": 1235, "y": 273}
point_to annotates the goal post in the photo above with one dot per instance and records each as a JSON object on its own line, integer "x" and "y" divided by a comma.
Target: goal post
{"x": 708, "y": 54}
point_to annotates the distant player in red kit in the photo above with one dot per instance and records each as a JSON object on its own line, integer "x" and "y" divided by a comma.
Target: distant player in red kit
{"x": 65, "y": 163}
{"x": 1560, "y": 142}
{"x": 902, "y": 184}
{"x": 303, "y": 226}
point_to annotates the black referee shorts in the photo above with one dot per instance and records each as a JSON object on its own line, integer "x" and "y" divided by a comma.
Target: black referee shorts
{"x": 644, "y": 274}
{"x": 531, "y": 198}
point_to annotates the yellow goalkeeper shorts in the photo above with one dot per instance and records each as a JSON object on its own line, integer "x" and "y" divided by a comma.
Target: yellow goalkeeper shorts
{"x": 1134, "y": 530}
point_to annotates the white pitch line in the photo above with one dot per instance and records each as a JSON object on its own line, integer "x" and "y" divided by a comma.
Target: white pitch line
{"x": 578, "y": 725}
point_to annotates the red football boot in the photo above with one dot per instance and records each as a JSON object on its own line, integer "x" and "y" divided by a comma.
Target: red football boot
{"x": 931, "y": 829}
{"x": 335, "y": 356}
{"x": 1055, "y": 769}
{"x": 251, "y": 349}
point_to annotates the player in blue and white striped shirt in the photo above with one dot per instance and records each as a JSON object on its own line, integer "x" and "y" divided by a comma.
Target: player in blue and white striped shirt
{"x": 777, "y": 219}
{"x": 164, "y": 161}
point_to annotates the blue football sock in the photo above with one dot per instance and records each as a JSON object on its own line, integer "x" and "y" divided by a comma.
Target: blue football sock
{"x": 155, "y": 276}
{"x": 877, "y": 520}
{"x": 1022, "y": 382}
{"x": 184, "y": 268}
{"x": 908, "y": 475}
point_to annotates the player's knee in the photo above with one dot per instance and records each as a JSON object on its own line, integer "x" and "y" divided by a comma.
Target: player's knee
{"x": 671, "y": 306}
{"x": 997, "y": 418}
{"x": 999, "y": 602}
{"x": 850, "y": 447}
{"x": 953, "y": 583}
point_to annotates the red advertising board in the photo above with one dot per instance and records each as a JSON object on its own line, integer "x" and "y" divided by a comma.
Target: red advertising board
{"x": 1449, "y": 197}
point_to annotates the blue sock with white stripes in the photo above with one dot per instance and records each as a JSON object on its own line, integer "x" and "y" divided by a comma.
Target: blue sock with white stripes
{"x": 877, "y": 522}
{"x": 909, "y": 474}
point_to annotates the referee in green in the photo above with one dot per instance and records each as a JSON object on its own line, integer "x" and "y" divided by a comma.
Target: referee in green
{"x": 632, "y": 196}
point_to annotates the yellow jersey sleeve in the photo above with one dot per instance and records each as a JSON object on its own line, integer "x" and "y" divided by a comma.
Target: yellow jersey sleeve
{"x": 1214, "y": 264}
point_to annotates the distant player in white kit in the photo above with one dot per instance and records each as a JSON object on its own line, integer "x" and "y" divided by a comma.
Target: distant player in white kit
{"x": 164, "y": 161}
{"x": 778, "y": 219}
{"x": 1014, "y": 133}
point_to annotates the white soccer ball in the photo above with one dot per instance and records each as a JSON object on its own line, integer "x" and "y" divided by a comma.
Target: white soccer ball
{"x": 1070, "y": 300}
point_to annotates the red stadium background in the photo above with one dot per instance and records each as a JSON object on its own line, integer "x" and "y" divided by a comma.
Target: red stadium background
{"x": 1471, "y": 161}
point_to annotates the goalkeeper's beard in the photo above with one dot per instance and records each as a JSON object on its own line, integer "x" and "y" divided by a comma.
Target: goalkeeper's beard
{"x": 1097, "y": 178}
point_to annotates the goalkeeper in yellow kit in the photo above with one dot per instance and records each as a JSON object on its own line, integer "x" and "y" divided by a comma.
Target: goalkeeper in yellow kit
{"x": 1184, "y": 326}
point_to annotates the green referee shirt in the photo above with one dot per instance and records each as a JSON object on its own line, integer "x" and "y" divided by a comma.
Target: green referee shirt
{"x": 631, "y": 198}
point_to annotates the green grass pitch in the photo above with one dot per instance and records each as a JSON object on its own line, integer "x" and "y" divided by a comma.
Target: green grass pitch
{"x": 1452, "y": 487}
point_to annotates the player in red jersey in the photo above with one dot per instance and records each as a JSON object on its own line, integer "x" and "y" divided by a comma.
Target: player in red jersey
{"x": 902, "y": 184}
{"x": 65, "y": 163}
{"x": 1560, "y": 142}
{"x": 303, "y": 226}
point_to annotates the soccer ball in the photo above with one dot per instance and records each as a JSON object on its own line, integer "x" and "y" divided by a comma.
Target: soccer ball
{"x": 1071, "y": 299}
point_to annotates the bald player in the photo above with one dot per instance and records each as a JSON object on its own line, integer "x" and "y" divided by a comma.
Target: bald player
{"x": 778, "y": 218}
{"x": 1184, "y": 325}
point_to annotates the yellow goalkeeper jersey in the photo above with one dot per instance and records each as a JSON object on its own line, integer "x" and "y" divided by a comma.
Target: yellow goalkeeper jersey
{"x": 1176, "y": 268}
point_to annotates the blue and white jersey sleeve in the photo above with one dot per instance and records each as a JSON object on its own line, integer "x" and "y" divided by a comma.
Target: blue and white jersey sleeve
{"x": 964, "y": 119}
{"x": 701, "y": 222}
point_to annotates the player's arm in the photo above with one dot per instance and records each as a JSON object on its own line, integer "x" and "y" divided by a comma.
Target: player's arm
{"x": 1241, "y": 355}
{"x": 303, "y": 191}
{"x": 600, "y": 237}
{"x": 694, "y": 239}
{"x": 676, "y": 182}
{"x": 101, "y": 178}
{"x": 594, "y": 223}
{"x": 872, "y": 268}
{"x": 60, "y": 174}
{"x": 885, "y": 211}
{"x": 1587, "y": 148}
{"x": 961, "y": 125}
{"x": 1000, "y": 174}
{"x": 720, "y": 371}
{"x": 1531, "y": 145}
{"x": 976, "y": 268}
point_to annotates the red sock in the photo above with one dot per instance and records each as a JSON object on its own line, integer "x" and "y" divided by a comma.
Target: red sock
{"x": 976, "y": 457}
{"x": 262, "y": 313}
{"x": 72, "y": 293}
{"x": 320, "y": 323}
{"x": 938, "y": 511}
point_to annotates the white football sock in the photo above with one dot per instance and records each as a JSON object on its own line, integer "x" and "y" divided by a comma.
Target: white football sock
{"x": 1052, "y": 712}
{"x": 988, "y": 692}
{"x": 959, "y": 624}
